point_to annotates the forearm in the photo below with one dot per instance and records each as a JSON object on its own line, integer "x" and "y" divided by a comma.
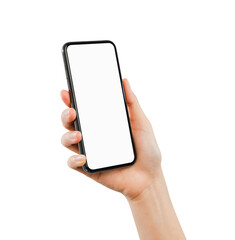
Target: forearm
{"x": 154, "y": 214}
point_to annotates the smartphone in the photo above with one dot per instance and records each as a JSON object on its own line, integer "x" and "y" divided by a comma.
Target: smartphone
{"x": 97, "y": 94}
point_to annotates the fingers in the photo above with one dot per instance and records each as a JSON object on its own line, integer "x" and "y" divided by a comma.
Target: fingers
{"x": 70, "y": 140}
{"x": 67, "y": 117}
{"x": 76, "y": 161}
{"x": 65, "y": 97}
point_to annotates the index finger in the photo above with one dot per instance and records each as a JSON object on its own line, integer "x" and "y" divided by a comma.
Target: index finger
{"x": 65, "y": 95}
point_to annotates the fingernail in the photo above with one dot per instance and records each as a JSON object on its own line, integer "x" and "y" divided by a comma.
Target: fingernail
{"x": 73, "y": 135}
{"x": 78, "y": 159}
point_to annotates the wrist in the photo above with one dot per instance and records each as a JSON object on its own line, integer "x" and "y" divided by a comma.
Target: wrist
{"x": 153, "y": 212}
{"x": 155, "y": 185}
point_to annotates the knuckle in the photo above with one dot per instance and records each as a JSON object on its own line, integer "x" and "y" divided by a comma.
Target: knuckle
{"x": 69, "y": 163}
{"x": 64, "y": 140}
{"x": 63, "y": 119}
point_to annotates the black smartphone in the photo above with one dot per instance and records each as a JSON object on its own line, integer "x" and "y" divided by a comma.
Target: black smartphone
{"x": 97, "y": 94}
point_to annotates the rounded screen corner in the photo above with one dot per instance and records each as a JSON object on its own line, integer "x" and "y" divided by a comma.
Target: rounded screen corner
{"x": 65, "y": 46}
{"x": 112, "y": 43}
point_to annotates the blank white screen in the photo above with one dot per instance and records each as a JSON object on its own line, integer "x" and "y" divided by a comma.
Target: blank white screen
{"x": 100, "y": 105}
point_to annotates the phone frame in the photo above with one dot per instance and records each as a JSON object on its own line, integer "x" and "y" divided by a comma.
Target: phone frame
{"x": 77, "y": 123}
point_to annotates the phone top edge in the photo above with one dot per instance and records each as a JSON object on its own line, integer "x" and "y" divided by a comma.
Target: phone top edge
{"x": 67, "y": 44}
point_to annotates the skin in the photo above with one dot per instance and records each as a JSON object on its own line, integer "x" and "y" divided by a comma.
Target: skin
{"x": 143, "y": 183}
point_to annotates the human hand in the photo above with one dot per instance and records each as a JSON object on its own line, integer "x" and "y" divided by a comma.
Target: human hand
{"x": 130, "y": 180}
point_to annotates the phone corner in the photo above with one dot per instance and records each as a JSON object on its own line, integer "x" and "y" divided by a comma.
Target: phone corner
{"x": 134, "y": 161}
{"x": 112, "y": 43}
{"x": 87, "y": 169}
{"x": 65, "y": 47}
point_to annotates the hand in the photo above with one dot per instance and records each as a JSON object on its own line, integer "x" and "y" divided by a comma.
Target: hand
{"x": 131, "y": 180}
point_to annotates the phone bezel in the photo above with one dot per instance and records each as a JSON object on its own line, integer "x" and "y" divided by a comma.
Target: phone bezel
{"x": 77, "y": 123}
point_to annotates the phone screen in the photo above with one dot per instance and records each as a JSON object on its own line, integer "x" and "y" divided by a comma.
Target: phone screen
{"x": 100, "y": 104}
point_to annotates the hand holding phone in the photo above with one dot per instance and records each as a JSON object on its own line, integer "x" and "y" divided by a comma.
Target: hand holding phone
{"x": 130, "y": 181}
{"x": 143, "y": 183}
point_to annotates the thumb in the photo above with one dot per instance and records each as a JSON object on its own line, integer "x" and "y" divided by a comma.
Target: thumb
{"x": 136, "y": 113}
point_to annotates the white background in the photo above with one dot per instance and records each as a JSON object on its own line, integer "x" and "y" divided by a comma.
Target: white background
{"x": 179, "y": 57}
